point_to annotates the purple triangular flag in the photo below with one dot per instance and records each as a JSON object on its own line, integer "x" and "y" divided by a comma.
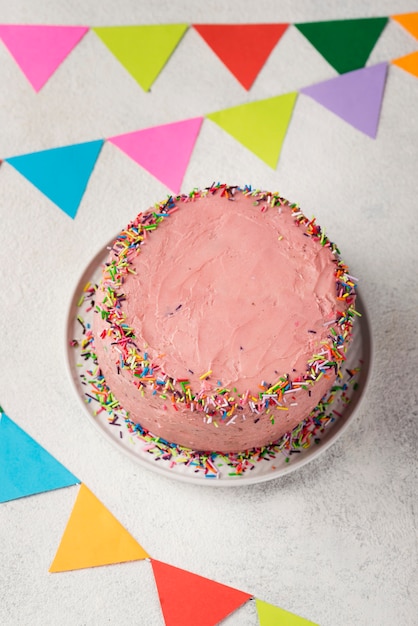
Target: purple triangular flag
{"x": 356, "y": 96}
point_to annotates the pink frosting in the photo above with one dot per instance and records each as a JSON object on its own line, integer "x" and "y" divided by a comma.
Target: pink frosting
{"x": 234, "y": 288}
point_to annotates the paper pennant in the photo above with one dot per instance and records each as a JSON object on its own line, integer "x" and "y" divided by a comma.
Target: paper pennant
{"x": 409, "y": 63}
{"x": 270, "y": 615}
{"x": 188, "y": 599}
{"x": 94, "y": 537}
{"x": 26, "y": 467}
{"x": 409, "y": 21}
{"x": 345, "y": 44}
{"x": 356, "y": 97}
{"x": 142, "y": 50}
{"x": 260, "y": 126}
{"x": 39, "y": 50}
{"x": 243, "y": 48}
{"x": 61, "y": 174}
{"x": 164, "y": 151}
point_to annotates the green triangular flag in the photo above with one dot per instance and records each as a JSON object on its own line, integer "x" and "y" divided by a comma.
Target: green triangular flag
{"x": 345, "y": 44}
{"x": 260, "y": 126}
{"x": 142, "y": 50}
{"x": 270, "y": 615}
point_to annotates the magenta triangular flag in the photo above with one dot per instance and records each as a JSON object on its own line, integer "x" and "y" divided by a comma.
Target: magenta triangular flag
{"x": 356, "y": 96}
{"x": 164, "y": 151}
{"x": 39, "y": 50}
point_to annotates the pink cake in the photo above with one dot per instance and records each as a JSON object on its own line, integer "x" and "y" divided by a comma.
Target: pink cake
{"x": 223, "y": 318}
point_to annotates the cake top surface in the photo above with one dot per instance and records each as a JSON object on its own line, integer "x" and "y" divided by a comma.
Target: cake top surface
{"x": 227, "y": 288}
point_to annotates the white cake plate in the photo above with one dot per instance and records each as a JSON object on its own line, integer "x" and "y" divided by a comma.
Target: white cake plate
{"x": 184, "y": 468}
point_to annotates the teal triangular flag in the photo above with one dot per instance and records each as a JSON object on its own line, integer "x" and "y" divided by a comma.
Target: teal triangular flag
{"x": 25, "y": 467}
{"x": 61, "y": 174}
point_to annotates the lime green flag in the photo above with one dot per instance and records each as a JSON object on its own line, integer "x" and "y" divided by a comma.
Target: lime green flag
{"x": 142, "y": 50}
{"x": 270, "y": 615}
{"x": 260, "y": 126}
{"x": 345, "y": 44}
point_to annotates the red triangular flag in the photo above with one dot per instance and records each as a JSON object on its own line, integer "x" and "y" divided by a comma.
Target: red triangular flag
{"x": 164, "y": 151}
{"x": 188, "y": 599}
{"x": 39, "y": 50}
{"x": 243, "y": 48}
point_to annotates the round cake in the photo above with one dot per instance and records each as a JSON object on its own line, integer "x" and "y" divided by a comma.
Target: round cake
{"x": 223, "y": 317}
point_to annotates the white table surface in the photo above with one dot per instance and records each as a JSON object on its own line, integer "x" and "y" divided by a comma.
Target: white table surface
{"x": 336, "y": 541}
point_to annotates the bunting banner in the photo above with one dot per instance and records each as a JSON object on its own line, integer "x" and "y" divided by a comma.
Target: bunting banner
{"x": 144, "y": 50}
{"x": 40, "y": 50}
{"x": 26, "y": 468}
{"x": 188, "y": 599}
{"x": 345, "y": 44}
{"x": 243, "y": 48}
{"x": 94, "y": 537}
{"x": 164, "y": 151}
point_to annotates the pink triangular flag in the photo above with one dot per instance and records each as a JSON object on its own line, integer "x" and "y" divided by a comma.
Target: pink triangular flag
{"x": 356, "y": 96}
{"x": 164, "y": 151}
{"x": 39, "y": 50}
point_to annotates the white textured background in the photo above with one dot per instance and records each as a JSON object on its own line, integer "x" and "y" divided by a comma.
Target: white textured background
{"x": 335, "y": 542}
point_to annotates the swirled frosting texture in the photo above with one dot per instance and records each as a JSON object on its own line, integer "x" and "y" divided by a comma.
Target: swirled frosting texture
{"x": 230, "y": 298}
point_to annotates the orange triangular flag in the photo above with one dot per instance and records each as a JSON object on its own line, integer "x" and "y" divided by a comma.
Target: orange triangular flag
{"x": 93, "y": 537}
{"x": 243, "y": 48}
{"x": 188, "y": 599}
{"x": 409, "y": 63}
{"x": 409, "y": 21}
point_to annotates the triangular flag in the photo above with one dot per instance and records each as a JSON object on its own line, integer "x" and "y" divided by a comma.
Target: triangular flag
{"x": 39, "y": 50}
{"x": 188, "y": 599}
{"x": 409, "y": 21}
{"x": 26, "y": 467}
{"x": 409, "y": 63}
{"x": 94, "y": 537}
{"x": 142, "y": 50}
{"x": 164, "y": 151}
{"x": 345, "y": 44}
{"x": 61, "y": 174}
{"x": 260, "y": 126}
{"x": 243, "y": 48}
{"x": 356, "y": 97}
{"x": 270, "y": 615}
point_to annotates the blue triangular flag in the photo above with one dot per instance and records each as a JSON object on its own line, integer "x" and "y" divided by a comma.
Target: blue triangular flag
{"x": 25, "y": 467}
{"x": 61, "y": 174}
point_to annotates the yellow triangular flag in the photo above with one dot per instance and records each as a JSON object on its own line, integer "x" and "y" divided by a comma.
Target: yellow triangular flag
{"x": 270, "y": 615}
{"x": 142, "y": 50}
{"x": 93, "y": 537}
{"x": 409, "y": 63}
{"x": 260, "y": 126}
